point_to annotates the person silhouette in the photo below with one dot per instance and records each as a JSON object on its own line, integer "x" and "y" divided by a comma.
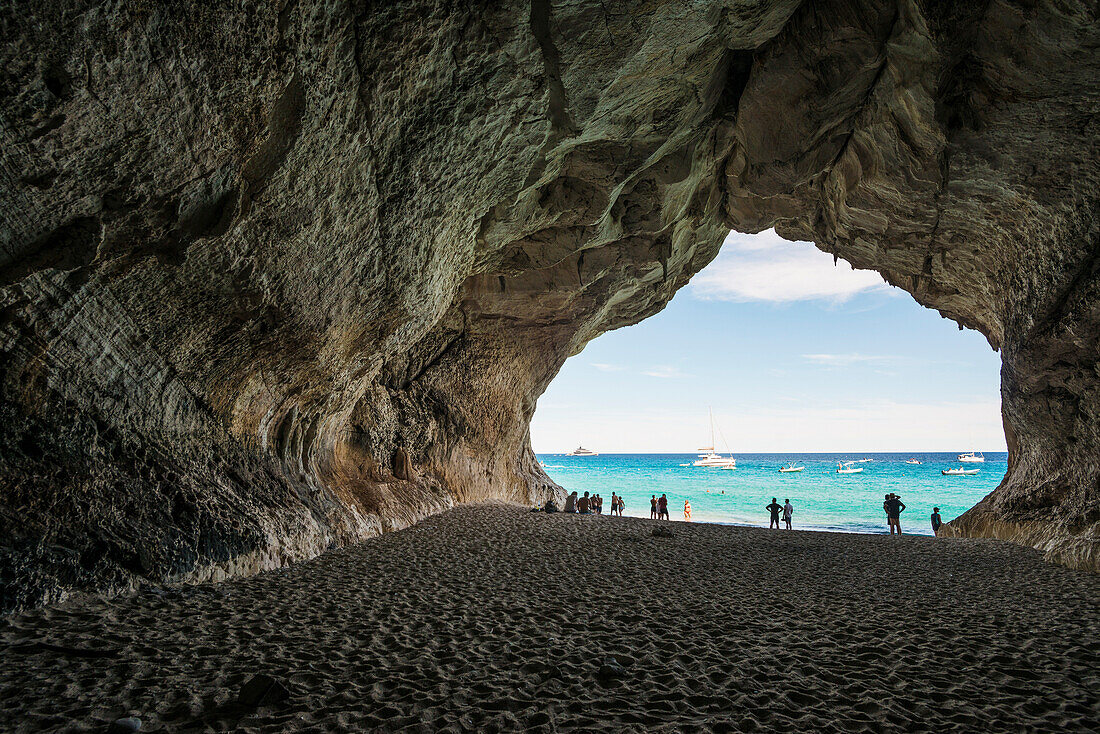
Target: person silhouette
{"x": 774, "y": 508}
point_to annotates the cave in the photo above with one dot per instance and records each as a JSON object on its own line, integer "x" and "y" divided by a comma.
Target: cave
{"x": 276, "y": 279}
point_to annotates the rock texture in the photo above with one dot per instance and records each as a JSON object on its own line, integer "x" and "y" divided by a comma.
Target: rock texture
{"x": 278, "y": 276}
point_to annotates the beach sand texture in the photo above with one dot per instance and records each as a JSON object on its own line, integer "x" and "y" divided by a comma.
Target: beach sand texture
{"x": 492, "y": 618}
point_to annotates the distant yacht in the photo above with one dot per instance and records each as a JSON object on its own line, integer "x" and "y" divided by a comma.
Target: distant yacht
{"x": 709, "y": 458}
{"x": 960, "y": 472}
{"x": 581, "y": 451}
{"x": 913, "y": 461}
{"x": 790, "y": 467}
{"x": 848, "y": 467}
{"x": 971, "y": 458}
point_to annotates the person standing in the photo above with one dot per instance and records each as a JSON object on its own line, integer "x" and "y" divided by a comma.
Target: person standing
{"x": 788, "y": 510}
{"x": 687, "y": 510}
{"x": 936, "y": 521}
{"x": 653, "y": 507}
{"x": 621, "y": 505}
{"x": 662, "y": 508}
{"x": 774, "y": 508}
{"x": 894, "y": 507}
{"x": 614, "y": 504}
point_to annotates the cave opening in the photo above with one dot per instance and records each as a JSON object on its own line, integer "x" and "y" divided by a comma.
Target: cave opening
{"x": 802, "y": 359}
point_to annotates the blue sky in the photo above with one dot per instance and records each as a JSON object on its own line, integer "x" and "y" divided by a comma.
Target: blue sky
{"x": 792, "y": 353}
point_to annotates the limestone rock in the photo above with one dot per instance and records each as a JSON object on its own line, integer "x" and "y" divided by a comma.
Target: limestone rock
{"x": 283, "y": 276}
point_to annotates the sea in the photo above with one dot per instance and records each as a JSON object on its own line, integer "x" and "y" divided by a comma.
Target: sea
{"x": 822, "y": 498}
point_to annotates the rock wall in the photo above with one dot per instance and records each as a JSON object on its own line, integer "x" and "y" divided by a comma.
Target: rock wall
{"x": 278, "y": 276}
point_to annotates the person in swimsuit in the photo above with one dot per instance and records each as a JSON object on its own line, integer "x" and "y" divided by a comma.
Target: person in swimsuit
{"x": 614, "y": 504}
{"x": 583, "y": 504}
{"x": 774, "y": 509}
{"x": 597, "y": 504}
{"x": 936, "y": 521}
{"x": 687, "y": 510}
{"x": 653, "y": 507}
{"x": 621, "y": 505}
{"x": 571, "y": 503}
{"x": 894, "y": 507}
{"x": 662, "y": 508}
{"x": 788, "y": 510}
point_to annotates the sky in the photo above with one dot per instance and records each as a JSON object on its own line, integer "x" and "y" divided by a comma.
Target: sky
{"x": 792, "y": 353}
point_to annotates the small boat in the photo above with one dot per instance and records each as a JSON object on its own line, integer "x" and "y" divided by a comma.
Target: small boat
{"x": 581, "y": 451}
{"x": 848, "y": 468}
{"x": 971, "y": 457}
{"x": 960, "y": 472}
{"x": 790, "y": 467}
{"x": 913, "y": 461}
{"x": 863, "y": 461}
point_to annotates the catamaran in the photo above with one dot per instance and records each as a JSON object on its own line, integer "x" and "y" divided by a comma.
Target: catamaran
{"x": 971, "y": 457}
{"x": 707, "y": 456}
{"x": 582, "y": 451}
{"x": 960, "y": 472}
{"x": 791, "y": 467}
{"x": 848, "y": 467}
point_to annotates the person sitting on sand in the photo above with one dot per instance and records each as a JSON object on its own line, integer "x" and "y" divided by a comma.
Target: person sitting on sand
{"x": 788, "y": 510}
{"x": 774, "y": 509}
{"x": 687, "y": 510}
{"x": 583, "y": 504}
{"x": 653, "y": 507}
{"x": 936, "y": 521}
{"x": 894, "y": 507}
{"x": 662, "y": 508}
{"x": 571, "y": 503}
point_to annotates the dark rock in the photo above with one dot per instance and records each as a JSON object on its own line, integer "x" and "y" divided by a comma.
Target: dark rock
{"x": 125, "y": 725}
{"x": 262, "y": 690}
{"x": 610, "y": 670}
{"x": 661, "y": 532}
{"x": 306, "y": 299}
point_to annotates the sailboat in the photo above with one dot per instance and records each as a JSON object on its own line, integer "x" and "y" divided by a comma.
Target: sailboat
{"x": 708, "y": 458}
{"x": 848, "y": 467}
{"x": 971, "y": 457}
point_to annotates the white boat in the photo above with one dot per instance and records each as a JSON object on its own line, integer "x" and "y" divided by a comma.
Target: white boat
{"x": 960, "y": 472}
{"x": 791, "y": 467}
{"x": 971, "y": 458}
{"x": 707, "y": 456}
{"x": 863, "y": 461}
{"x": 913, "y": 461}
{"x": 848, "y": 467}
{"x": 581, "y": 451}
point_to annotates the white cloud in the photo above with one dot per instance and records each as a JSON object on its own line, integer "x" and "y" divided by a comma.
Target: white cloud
{"x": 665, "y": 372}
{"x": 766, "y": 267}
{"x": 604, "y": 367}
{"x": 844, "y": 360}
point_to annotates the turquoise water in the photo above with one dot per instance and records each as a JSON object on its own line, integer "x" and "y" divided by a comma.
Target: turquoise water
{"x": 822, "y": 499}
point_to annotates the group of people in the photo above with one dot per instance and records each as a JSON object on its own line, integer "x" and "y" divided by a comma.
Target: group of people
{"x": 658, "y": 509}
{"x": 593, "y": 505}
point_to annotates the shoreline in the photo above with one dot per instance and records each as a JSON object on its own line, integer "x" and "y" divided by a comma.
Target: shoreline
{"x": 492, "y": 617}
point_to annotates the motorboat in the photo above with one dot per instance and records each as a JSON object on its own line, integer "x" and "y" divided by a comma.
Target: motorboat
{"x": 960, "y": 472}
{"x": 791, "y": 467}
{"x": 848, "y": 467}
{"x": 971, "y": 457}
{"x": 913, "y": 461}
{"x": 709, "y": 458}
{"x": 582, "y": 451}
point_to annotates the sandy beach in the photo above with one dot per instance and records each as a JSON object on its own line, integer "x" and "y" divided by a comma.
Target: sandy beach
{"x": 492, "y": 618}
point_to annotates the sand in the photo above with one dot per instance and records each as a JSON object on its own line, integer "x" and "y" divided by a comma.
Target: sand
{"x": 492, "y": 618}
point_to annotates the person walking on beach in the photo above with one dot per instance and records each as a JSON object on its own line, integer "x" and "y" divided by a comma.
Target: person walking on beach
{"x": 774, "y": 509}
{"x": 788, "y": 510}
{"x": 894, "y": 507}
{"x": 583, "y": 504}
{"x": 662, "y": 508}
{"x": 653, "y": 507}
{"x": 687, "y": 510}
{"x": 936, "y": 521}
{"x": 571, "y": 503}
